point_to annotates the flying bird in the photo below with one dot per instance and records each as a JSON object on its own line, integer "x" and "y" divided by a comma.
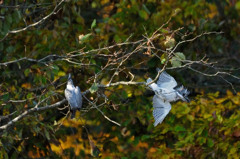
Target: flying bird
{"x": 73, "y": 96}
{"x": 165, "y": 92}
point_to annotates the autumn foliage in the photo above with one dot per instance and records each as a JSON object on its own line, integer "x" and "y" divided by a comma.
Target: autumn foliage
{"x": 111, "y": 48}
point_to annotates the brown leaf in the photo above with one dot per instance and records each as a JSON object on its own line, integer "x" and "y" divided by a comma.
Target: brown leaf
{"x": 236, "y": 133}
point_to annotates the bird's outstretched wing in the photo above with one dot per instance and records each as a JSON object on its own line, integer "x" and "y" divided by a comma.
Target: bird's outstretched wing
{"x": 166, "y": 81}
{"x": 160, "y": 109}
{"x": 78, "y": 95}
{"x": 70, "y": 96}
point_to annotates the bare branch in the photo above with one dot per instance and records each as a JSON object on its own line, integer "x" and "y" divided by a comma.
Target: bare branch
{"x": 106, "y": 117}
{"x": 122, "y": 83}
{"x": 196, "y": 37}
{"x": 32, "y": 110}
{"x": 216, "y": 74}
{"x": 34, "y": 24}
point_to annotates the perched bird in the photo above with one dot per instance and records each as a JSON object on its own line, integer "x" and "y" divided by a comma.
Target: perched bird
{"x": 165, "y": 92}
{"x": 73, "y": 96}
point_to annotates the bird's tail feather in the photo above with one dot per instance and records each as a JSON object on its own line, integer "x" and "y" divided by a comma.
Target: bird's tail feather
{"x": 153, "y": 86}
{"x": 73, "y": 114}
{"x": 149, "y": 80}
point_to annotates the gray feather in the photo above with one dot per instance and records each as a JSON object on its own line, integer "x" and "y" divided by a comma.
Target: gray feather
{"x": 165, "y": 92}
{"x": 166, "y": 81}
{"x": 73, "y": 96}
{"x": 160, "y": 109}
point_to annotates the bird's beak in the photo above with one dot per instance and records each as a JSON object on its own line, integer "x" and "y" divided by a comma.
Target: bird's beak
{"x": 69, "y": 76}
{"x": 186, "y": 99}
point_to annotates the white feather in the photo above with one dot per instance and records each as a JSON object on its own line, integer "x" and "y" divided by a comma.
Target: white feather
{"x": 73, "y": 96}
{"x": 160, "y": 109}
{"x": 78, "y": 96}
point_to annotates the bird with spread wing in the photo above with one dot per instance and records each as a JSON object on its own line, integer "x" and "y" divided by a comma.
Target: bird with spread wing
{"x": 165, "y": 92}
{"x": 73, "y": 96}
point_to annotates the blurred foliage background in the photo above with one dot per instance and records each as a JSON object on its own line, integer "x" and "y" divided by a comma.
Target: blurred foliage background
{"x": 207, "y": 127}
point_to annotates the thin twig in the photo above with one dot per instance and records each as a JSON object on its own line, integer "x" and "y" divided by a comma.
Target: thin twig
{"x": 114, "y": 122}
{"x": 34, "y": 24}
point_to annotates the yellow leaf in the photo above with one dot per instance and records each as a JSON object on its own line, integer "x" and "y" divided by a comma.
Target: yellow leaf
{"x": 190, "y": 117}
{"x": 236, "y": 100}
{"x": 229, "y": 93}
{"x": 220, "y": 100}
{"x": 233, "y": 150}
{"x": 129, "y": 93}
{"x": 26, "y": 85}
{"x": 206, "y": 116}
{"x": 61, "y": 73}
{"x": 5, "y": 111}
{"x": 142, "y": 145}
{"x": 219, "y": 117}
{"x": 152, "y": 150}
{"x": 169, "y": 42}
{"x": 204, "y": 101}
{"x": 213, "y": 11}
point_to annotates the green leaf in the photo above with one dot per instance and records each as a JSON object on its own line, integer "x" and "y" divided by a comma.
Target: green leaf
{"x": 20, "y": 133}
{"x": 146, "y": 9}
{"x": 201, "y": 140}
{"x": 124, "y": 94}
{"x": 163, "y": 58}
{"x": 175, "y": 62}
{"x": 219, "y": 117}
{"x": 36, "y": 129}
{"x": 93, "y": 24}
{"x": 143, "y": 14}
{"x": 163, "y": 61}
{"x": 17, "y": 15}
{"x": 180, "y": 55}
{"x": 26, "y": 72}
{"x": 85, "y": 37}
{"x": 237, "y": 5}
{"x": 145, "y": 137}
{"x": 94, "y": 88}
{"x": 165, "y": 130}
{"x": 47, "y": 134}
{"x": 117, "y": 38}
{"x": 9, "y": 18}
{"x": 5, "y": 97}
{"x": 210, "y": 142}
{"x": 164, "y": 31}
{"x": 179, "y": 128}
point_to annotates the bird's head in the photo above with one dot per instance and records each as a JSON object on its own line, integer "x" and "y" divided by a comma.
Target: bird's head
{"x": 183, "y": 93}
{"x": 69, "y": 76}
{"x": 70, "y": 82}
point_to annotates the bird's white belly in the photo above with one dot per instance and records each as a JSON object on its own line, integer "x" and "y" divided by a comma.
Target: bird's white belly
{"x": 167, "y": 95}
